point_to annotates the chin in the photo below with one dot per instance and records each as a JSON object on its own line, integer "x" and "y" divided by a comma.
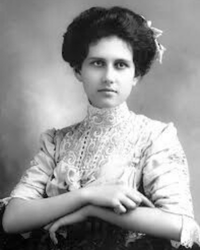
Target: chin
{"x": 105, "y": 105}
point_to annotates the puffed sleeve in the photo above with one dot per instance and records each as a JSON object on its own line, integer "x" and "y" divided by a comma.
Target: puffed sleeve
{"x": 33, "y": 182}
{"x": 166, "y": 180}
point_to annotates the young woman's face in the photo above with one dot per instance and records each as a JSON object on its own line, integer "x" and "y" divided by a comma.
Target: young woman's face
{"x": 108, "y": 72}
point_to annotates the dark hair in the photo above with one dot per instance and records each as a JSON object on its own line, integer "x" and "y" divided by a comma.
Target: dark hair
{"x": 96, "y": 23}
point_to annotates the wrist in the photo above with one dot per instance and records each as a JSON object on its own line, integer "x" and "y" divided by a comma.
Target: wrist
{"x": 86, "y": 195}
{"x": 90, "y": 211}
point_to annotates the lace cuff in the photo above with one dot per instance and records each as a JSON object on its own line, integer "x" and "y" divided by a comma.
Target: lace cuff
{"x": 190, "y": 232}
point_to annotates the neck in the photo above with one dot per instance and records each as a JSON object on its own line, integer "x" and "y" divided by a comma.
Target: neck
{"x": 108, "y": 116}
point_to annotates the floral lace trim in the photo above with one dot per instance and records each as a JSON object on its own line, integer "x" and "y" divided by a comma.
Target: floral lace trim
{"x": 190, "y": 232}
{"x": 108, "y": 116}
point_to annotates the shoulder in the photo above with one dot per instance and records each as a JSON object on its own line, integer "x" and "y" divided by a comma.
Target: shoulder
{"x": 67, "y": 131}
{"x": 52, "y": 135}
{"x": 153, "y": 133}
{"x": 51, "y": 139}
{"x": 154, "y": 128}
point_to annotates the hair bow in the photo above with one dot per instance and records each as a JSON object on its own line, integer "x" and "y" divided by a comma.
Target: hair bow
{"x": 159, "y": 47}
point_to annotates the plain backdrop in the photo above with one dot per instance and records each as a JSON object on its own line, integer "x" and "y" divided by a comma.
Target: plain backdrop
{"x": 38, "y": 90}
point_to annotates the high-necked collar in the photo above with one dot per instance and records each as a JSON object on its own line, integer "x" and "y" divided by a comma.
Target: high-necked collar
{"x": 107, "y": 116}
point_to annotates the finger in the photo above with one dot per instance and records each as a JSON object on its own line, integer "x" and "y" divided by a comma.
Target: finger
{"x": 116, "y": 211}
{"x": 52, "y": 230}
{"x": 134, "y": 196}
{"x": 66, "y": 220}
{"x": 146, "y": 201}
{"x": 63, "y": 221}
{"x": 139, "y": 198}
{"x": 48, "y": 226}
{"x": 128, "y": 203}
{"x": 119, "y": 209}
{"x": 54, "y": 238}
{"x": 55, "y": 226}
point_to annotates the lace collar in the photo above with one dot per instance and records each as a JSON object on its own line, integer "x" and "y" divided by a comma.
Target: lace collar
{"x": 107, "y": 116}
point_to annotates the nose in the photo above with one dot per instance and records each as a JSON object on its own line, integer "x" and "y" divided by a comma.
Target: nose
{"x": 108, "y": 75}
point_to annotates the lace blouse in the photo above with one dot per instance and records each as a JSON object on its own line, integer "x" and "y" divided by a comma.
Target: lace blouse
{"x": 115, "y": 143}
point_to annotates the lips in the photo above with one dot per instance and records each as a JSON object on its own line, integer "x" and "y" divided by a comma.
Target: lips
{"x": 107, "y": 90}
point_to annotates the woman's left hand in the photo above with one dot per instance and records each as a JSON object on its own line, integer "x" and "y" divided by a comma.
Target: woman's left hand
{"x": 75, "y": 217}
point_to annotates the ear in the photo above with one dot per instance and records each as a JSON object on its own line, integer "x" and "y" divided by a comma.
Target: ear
{"x": 135, "y": 81}
{"x": 77, "y": 74}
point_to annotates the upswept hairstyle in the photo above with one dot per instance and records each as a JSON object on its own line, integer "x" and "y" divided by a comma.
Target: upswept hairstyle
{"x": 96, "y": 23}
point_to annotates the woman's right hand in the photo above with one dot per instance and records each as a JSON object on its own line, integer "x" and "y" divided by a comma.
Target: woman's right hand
{"x": 116, "y": 195}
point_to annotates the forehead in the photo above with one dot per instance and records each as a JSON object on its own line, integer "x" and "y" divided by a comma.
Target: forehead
{"x": 110, "y": 47}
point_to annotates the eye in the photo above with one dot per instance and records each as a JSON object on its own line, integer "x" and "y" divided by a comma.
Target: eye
{"x": 121, "y": 65}
{"x": 97, "y": 63}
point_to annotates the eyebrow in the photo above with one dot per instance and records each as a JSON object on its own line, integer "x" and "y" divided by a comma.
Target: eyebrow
{"x": 116, "y": 59}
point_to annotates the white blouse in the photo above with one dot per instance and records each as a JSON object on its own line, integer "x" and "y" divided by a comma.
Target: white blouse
{"x": 115, "y": 143}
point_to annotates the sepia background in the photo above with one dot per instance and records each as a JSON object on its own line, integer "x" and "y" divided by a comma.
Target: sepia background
{"x": 38, "y": 90}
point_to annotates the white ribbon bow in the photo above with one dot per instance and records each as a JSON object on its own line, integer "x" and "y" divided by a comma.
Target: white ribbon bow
{"x": 159, "y": 47}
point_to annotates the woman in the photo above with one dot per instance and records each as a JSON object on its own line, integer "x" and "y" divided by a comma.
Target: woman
{"x": 116, "y": 180}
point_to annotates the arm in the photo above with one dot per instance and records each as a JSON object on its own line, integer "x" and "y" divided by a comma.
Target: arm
{"x": 165, "y": 185}
{"x": 166, "y": 181}
{"x": 28, "y": 209}
{"x": 87, "y": 211}
{"x": 146, "y": 220}
{"x": 22, "y": 215}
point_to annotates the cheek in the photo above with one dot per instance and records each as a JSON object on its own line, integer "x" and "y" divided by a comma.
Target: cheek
{"x": 92, "y": 77}
{"x": 131, "y": 75}
{"x": 128, "y": 89}
{"x": 127, "y": 80}
{"x": 89, "y": 86}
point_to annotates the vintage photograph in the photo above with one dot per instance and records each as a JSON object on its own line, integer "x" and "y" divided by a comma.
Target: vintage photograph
{"x": 99, "y": 125}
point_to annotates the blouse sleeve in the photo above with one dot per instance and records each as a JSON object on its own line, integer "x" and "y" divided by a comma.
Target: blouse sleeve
{"x": 166, "y": 181}
{"x": 33, "y": 182}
